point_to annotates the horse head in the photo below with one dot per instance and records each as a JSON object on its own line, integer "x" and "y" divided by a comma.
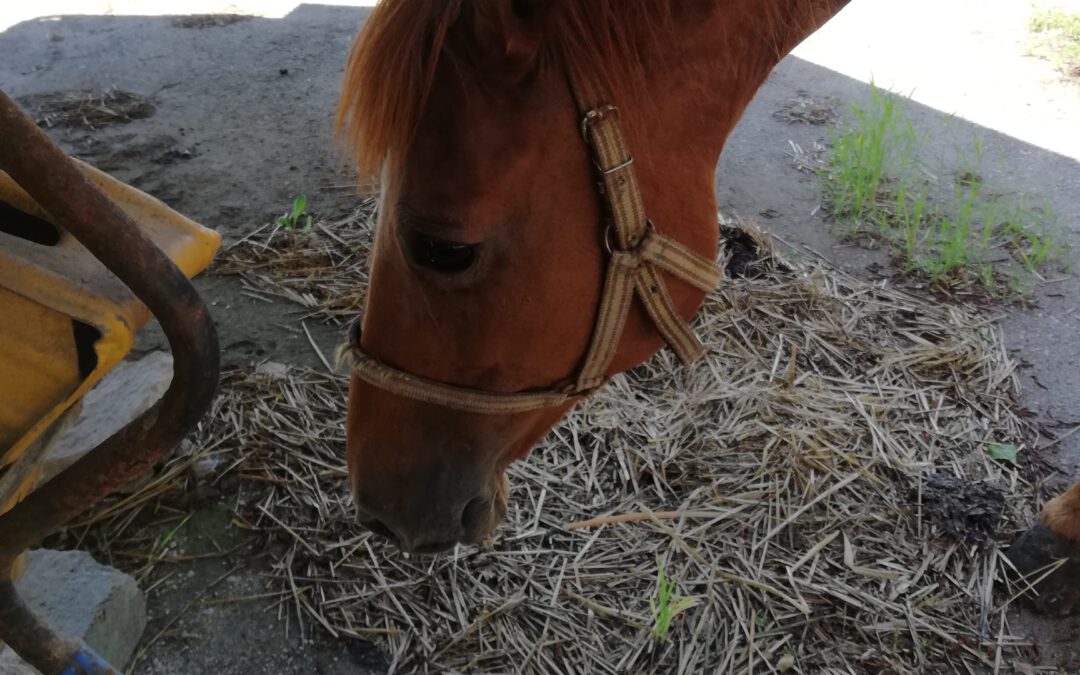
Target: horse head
{"x": 495, "y": 239}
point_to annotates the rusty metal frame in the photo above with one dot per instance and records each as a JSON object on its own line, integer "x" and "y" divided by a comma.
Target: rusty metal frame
{"x": 53, "y": 180}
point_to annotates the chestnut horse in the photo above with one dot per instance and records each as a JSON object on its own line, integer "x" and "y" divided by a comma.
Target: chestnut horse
{"x": 495, "y": 279}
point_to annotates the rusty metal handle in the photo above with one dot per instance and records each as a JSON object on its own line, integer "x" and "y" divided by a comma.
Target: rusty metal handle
{"x": 46, "y": 173}
{"x": 30, "y": 637}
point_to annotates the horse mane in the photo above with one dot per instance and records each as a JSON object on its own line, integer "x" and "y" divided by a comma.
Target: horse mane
{"x": 392, "y": 63}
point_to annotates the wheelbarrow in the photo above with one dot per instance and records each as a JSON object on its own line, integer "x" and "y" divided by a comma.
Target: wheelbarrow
{"x": 85, "y": 262}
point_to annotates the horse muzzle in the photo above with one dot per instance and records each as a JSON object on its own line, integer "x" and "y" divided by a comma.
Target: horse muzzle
{"x": 427, "y": 522}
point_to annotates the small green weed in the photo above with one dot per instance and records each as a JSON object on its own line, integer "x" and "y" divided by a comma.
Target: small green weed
{"x": 667, "y": 604}
{"x": 157, "y": 551}
{"x": 1056, "y": 19}
{"x": 1057, "y": 38}
{"x": 876, "y": 187}
{"x": 293, "y": 218}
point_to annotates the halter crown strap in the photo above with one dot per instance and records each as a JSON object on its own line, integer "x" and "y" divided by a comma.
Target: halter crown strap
{"x": 638, "y": 253}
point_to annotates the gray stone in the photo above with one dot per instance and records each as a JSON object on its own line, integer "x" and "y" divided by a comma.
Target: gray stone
{"x": 83, "y": 600}
{"x": 126, "y": 392}
{"x": 273, "y": 370}
{"x": 13, "y": 665}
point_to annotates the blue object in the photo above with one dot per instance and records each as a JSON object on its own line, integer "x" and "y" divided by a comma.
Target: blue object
{"x": 87, "y": 662}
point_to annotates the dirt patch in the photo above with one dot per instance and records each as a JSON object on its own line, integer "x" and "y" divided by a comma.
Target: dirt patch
{"x": 807, "y": 109}
{"x": 1055, "y": 642}
{"x": 748, "y": 253}
{"x": 968, "y": 512}
{"x": 87, "y": 109}
{"x": 127, "y": 151}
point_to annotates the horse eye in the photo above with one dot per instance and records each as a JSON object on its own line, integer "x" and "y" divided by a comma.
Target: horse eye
{"x": 444, "y": 256}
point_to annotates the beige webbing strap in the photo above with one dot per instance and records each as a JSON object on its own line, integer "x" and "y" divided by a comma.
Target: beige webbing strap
{"x": 418, "y": 388}
{"x": 628, "y": 272}
{"x": 615, "y": 299}
{"x": 675, "y": 258}
{"x": 675, "y": 331}
{"x": 616, "y": 167}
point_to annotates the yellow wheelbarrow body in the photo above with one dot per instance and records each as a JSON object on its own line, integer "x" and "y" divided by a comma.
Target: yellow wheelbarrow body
{"x": 65, "y": 320}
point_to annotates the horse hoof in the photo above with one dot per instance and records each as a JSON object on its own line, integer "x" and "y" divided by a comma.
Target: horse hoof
{"x": 1057, "y": 594}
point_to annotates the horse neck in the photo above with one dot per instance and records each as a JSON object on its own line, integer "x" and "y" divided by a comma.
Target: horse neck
{"x": 719, "y": 56}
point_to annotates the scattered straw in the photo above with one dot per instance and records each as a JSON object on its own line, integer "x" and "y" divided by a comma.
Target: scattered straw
{"x": 806, "y": 109}
{"x": 779, "y": 482}
{"x": 88, "y": 109}
{"x": 324, "y": 270}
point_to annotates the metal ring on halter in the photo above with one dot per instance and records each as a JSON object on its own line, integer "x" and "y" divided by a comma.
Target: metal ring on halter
{"x": 609, "y": 238}
{"x": 610, "y": 241}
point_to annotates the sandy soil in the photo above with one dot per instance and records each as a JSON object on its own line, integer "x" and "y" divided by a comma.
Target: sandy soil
{"x": 242, "y": 124}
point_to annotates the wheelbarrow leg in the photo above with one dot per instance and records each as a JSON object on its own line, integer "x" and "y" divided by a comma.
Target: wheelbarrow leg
{"x": 55, "y": 182}
{"x": 29, "y": 635}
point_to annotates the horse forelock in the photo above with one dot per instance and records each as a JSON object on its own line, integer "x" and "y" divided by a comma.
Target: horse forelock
{"x": 388, "y": 75}
{"x": 392, "y": 64}
{"x": 614, "y": 43}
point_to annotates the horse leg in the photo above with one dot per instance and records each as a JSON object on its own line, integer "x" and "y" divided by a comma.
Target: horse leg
{"x": 1055, "y": 536}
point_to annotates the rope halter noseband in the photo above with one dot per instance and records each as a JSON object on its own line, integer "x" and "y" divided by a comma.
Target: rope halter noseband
{"x": 637, "y": 253}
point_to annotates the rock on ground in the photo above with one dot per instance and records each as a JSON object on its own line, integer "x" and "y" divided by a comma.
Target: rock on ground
{"x": 84, "y": 600}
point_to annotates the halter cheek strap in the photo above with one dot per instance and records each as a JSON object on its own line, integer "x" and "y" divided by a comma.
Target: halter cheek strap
{"x": 637, "y": 254}
{"x": 639, "y": 250}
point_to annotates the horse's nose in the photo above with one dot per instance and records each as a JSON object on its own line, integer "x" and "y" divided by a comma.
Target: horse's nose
{"x": 406, "y": 541}
{"x": 432, "y": 532}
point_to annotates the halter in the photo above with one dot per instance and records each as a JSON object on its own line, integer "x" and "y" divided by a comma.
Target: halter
{"x": 636, "y": 254}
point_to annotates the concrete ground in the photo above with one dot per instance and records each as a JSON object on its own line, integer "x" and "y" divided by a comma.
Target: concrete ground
{"x": 966, "y": 71}
{"x": 242, "y": 124}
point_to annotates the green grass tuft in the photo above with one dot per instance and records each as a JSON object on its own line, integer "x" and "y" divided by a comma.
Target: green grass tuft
{"x": 948, "y": 231}
{"x": 667, "y": 604}
{"x": 1057, "y": 38}
{"x": 1056, "y": 19}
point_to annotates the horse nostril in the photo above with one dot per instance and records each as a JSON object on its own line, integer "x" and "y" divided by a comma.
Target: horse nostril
{"x": 474, "y": 513}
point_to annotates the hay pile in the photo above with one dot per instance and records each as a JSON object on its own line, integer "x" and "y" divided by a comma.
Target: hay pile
{"x": 817, "y": 487}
